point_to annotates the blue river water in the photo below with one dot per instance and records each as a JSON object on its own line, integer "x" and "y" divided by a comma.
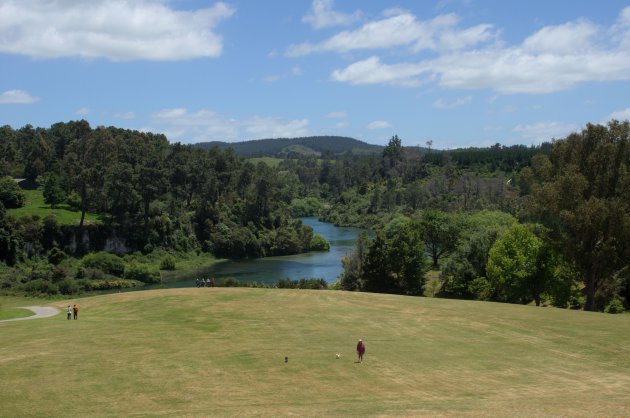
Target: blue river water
{"x": 315, "y": 264}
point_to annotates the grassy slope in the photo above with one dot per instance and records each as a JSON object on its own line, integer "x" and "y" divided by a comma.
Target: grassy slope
{"x": 35, "y": 205}
{"x": 220, "y": 352}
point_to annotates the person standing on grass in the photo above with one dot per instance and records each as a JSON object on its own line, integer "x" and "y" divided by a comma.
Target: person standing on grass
{"x": 76, "y": 311}
{"x": 360, "y": 350}
{"x": 69, "y": 312}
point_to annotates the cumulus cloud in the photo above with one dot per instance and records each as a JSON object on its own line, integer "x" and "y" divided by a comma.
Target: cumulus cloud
{"x": 322, "y": 15}
{"x": 554, "y": 58}
{"x": 379, "y": 124}
{"x": 373, "y": 71}
{"x": 399, "y": 28}
{"x": 17, "y": 97}
{"x": 451, "y": 104}
{"x": 205, "y": 125}
{"x": 119, "y": 30}
{"x": 544, "y": 131}
{"x": 620, "y": 115}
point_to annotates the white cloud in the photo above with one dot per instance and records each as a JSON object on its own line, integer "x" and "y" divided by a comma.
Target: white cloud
{"x": 379, "y": 124}
{"x": 372, "y": 71}
{"x": 82, "y": 111}
{"x": 568, "y": 38}
{"x": 205, "y": 125}
{"x": 400, "y": 28}
{"x": 555, "y": 58}
{"x": 620, "y": 115}
{"x": 545, "y": 131}
{"x": 17, "y": 97}
{"x": 446, "y": 104}
{"x": 118, "y": 30}
{"x": 322, "y": 15}
{"x": 337, "y": 115}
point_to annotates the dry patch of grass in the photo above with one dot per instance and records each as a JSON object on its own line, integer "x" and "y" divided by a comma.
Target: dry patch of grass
{"x": 196, "y": 352}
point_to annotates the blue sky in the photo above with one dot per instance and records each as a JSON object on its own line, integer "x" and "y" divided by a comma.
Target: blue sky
{"x": 460, "y": 73}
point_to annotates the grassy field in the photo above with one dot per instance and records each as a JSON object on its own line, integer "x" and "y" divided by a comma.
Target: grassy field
{"x": 63, "y": 213}
{"x": 220, "y": 352}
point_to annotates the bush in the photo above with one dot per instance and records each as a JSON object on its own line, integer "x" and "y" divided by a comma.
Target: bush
{"x": 108, "y": 263}
{"x": 318, "y": 284}
{"x": 142, "y": 272}
{"x": 481, "y": 288}
{"x": 39, "y": 287}
{"x": 614, "y": 307}
{"x": 56, "y": 256}
{"x": 11, "y": 195}
{"x": 229, "y": 282}
{"x": 168, "y": 263}
{"x": 319, "y": 243}
{"x": 109, "y": 284}
{"x": 68, "y": 287}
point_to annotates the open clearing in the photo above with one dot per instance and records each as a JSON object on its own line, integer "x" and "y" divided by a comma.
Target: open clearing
{"x": 209, "y": 352}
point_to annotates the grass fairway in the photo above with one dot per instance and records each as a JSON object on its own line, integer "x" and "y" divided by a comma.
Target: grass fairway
{"x": 209, "y": 352}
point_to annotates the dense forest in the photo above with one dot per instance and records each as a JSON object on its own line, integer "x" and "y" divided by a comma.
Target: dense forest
{"x": 548, "y": 225}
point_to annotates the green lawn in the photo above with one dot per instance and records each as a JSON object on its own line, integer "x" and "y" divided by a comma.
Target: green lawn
{"x": 10, "y": 313}
{"x": 63, "y": 213}
{"x": 220, "y": 352}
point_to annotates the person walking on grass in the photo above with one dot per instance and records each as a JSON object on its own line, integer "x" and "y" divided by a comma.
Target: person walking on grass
{"x": 69, "y": 312}
{"x": 76, "y": 311}
{"x": 360, "y": 350}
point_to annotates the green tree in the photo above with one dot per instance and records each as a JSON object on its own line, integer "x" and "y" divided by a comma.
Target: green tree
{"x": 52, "y": 190}
{"x": 11, "y": 196}
{"x": 583, "y": 196}
{"x": 440, "y": 231}
{"x": 519, "y": 266}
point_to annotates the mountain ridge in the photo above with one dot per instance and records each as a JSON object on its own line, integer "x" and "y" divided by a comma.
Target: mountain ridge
{"x": 318, "y": 145}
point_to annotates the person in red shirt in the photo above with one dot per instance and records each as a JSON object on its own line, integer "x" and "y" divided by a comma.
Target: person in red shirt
{"x": 76, "y": 311}
{"x": 360, "y": 350}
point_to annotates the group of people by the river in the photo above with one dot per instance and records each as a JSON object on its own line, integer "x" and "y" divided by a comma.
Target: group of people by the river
{"x": 205, "y": 282}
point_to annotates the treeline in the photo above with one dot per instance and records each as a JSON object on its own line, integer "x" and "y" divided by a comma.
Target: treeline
{"x": 561, "y": 234}
{"x": 547, "y": 224}
{"x": 147, "y": 194}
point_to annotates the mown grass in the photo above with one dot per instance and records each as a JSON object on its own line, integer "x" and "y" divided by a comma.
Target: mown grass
{"x": 11, "y": 313}
{"x": 220, "y": 352}
{"x": 65, "y": 215}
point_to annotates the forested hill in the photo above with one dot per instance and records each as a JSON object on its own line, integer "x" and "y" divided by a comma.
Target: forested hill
{"x": 312, "y": 145}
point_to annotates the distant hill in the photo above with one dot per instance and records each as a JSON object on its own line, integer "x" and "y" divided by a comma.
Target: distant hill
{"x": 312, "y": 145}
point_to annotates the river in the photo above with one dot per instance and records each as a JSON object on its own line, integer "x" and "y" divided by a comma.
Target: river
{"x": 315, "y": 264}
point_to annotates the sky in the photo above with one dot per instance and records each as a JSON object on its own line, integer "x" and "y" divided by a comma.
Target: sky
{"x": 459, "y": 73}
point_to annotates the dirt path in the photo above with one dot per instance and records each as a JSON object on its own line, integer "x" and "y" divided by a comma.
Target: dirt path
{"x": 40, "y": 312}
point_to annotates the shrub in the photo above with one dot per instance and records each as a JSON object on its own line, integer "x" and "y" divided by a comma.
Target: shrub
{"x": 68, "y": 287}
{"x": 108, "y": 263}
{"x": 39, "y": 287}
{"x": 319, "y": 243}
{"x": 141, "y": 272}
{"x": 318, "y": 284}
{"x": 168, "y": 263}
{"x": 614, "y": 307}
{"x": 480, "y": 288}
{"x": 56, "y": 256}
{"x": 229, "y": 282}
{"x": 108, "y": 284}
{"x": 11, "y": 195}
